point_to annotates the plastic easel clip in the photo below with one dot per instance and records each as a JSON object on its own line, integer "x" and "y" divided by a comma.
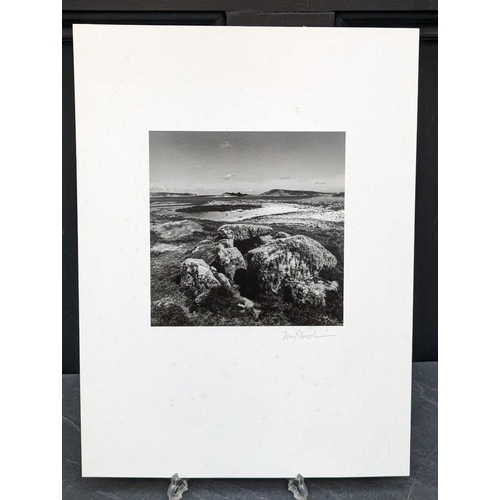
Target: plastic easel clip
{"x": 298, "y": 487}
{"x": 177, "y": 487}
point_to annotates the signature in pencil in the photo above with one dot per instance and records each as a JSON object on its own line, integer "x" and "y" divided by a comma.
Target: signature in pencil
{"x": 303, "y": 335}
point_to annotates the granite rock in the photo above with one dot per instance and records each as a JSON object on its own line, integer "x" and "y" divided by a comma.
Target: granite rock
{"x": 228, "y": 261}
{"x": 297, "y": 257}
{"x": 196, "y": 277}
{"x": 240, "y": 232}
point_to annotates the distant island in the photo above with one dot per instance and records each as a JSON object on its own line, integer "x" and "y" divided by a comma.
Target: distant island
{"x": 234, "y": 194}
{"x": 292, "y": 192}
{"x": 163, "y": 193}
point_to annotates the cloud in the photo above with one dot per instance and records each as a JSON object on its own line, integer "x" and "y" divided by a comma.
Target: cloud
{"x": 320, "y": 182}
{"x": 226, "y": 144}
{"x": 283, "y": 178}
{"x": 227, "y": 177}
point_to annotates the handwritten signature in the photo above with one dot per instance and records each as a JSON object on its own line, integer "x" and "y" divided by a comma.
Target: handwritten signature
{"x": 302, "y": 335}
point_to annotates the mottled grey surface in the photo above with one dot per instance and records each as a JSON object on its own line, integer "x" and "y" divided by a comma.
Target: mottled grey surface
{"x": 421, "y": 485}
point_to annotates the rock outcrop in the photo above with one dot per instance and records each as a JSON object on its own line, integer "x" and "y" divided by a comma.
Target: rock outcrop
{"x": 245, "y": 237}
{"x": 228, "y": 261}
{"x": 196, "y": 277}
{"x": 313, "y": 292}
{"x": 226, "y": 242}
{"x": 240, "y": 232}
{"x": 281, "y": 234}
{"x": 206, "y": 250}
{"x": 246, "y": 261}
{"x": 176, "y": 229}
{"x": 224, "y": 281}
{"x": 296, "y": 257}
{"x": 262, "y": 240}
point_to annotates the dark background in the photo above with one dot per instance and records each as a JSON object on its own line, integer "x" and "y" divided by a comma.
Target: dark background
{"x": 330, "y": 13}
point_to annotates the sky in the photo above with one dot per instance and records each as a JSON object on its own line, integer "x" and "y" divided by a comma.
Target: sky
{"x": 250, "y": 162}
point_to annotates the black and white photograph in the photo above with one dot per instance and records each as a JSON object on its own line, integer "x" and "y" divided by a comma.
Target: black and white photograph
{"x": 247, "y": 228}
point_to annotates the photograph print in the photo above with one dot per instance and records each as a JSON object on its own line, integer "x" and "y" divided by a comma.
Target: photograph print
{"x": 247, "y": 228}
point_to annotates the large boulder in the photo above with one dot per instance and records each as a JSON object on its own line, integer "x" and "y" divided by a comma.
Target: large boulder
{"x": 196, "y": 277}
{"x": 282, "y": 234}
{"x": 262, "y": 240}
{"x": 240, "y": 232}
{"x": 245, "y": 237}
{"x": 229, "y": 260}
{"x": 297, "y": 257}
{"x": 206, "y": 250}
{"x": 226, "y": 243}
{"x": 312, "y": 292}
